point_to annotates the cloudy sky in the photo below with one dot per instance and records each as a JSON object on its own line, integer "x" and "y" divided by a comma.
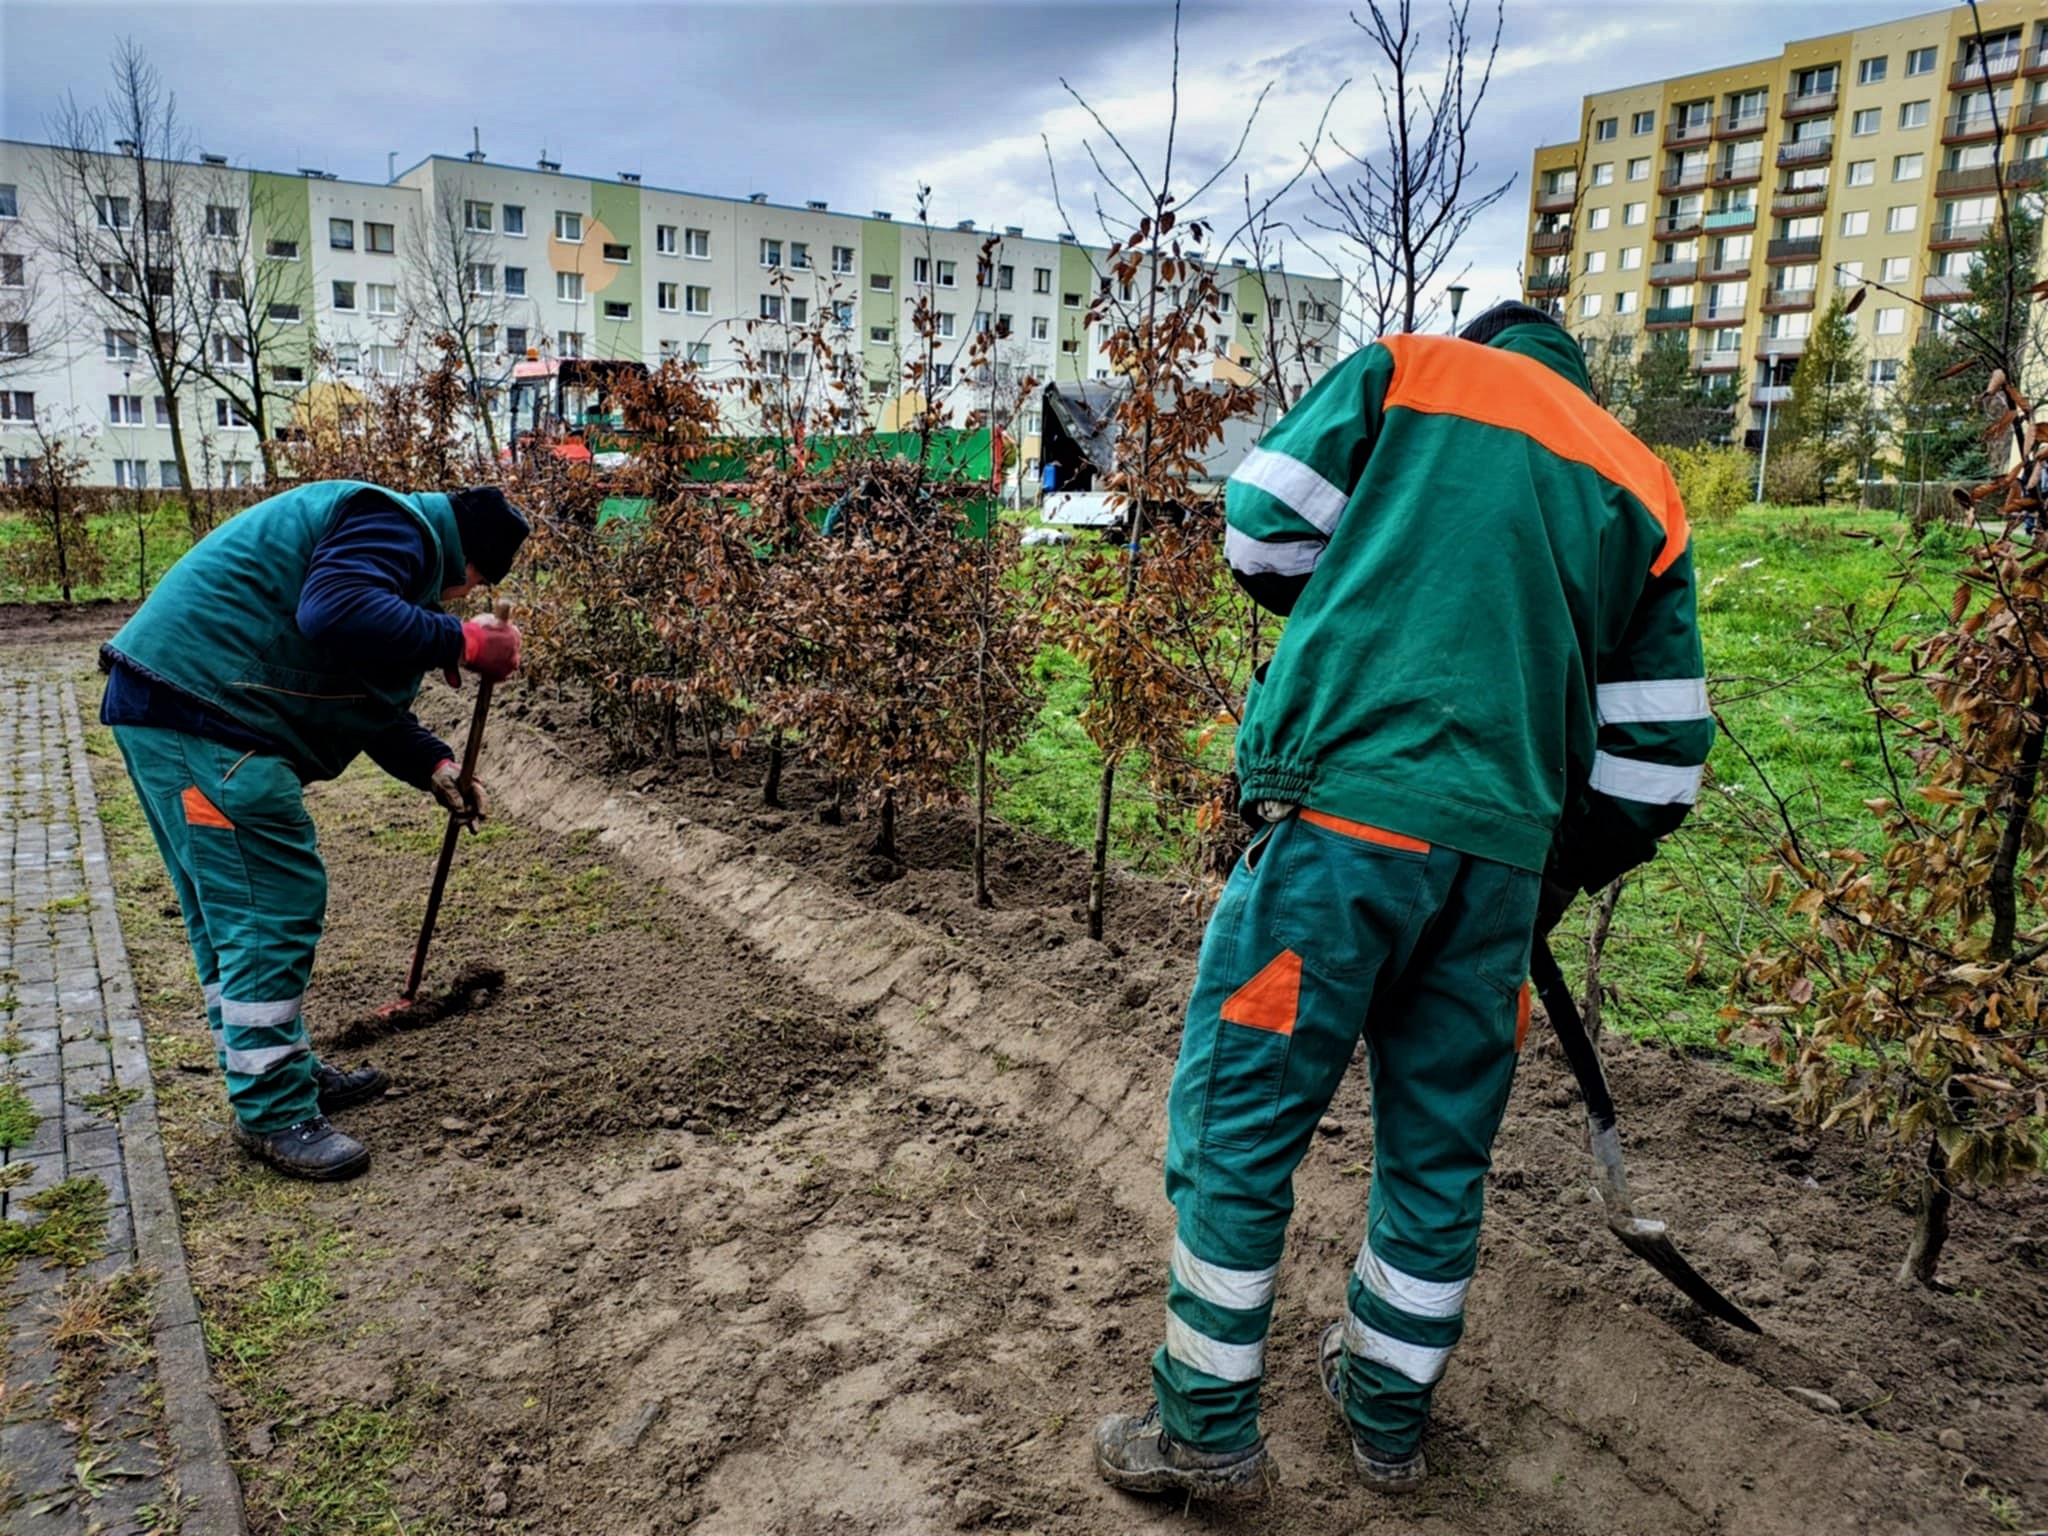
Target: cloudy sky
{"x": 858, "y": 103}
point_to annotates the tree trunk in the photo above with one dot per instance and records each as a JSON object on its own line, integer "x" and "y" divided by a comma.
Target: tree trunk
{"x": 196, "y": 519}
{"x": 63, "y": 553}
{"x": 141, "y": 550}
{"x": 885, "y": 835}
{"x": 981, "y": 896}
{"x": 771, "y": 788}
{"x": 1596, "y": 949}
{"x": 1098, "y": 869}
{"x": 2003, "y": 886}
{"x": 1930, "y": 1223}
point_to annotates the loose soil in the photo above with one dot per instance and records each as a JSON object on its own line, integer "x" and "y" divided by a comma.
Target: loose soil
{"x": 782, "y": 1190}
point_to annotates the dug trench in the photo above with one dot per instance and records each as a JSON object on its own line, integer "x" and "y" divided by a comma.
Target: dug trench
{"x": 776, "y": 1193}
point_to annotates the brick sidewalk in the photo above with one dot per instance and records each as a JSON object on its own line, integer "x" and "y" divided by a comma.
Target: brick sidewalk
{"x": 71, "y": 1046}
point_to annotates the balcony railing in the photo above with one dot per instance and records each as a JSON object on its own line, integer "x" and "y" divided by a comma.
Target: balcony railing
{"x": 1985, "y": 178}
{"x": 1739, "y": 173}
{"x": 1548, "y": 282}
{"x": 1720, "y": 314}
{"x": 1787, "y": 301}
{"x": 1733, "y": 272}
{"x": 1780, "y": 346}
{"x": 1695, "y": 132}
{"x": 1741, "y": 127}
{"x": 1717, "y": 360}
{"x": 1940, "y": 287}
{"x": 1790, "y": 205}
{"x": 1955, "y": 236}
{"x": 1548, "y": 242}
{"x": 1674, "y": 271}
{"x": 1779, "y": 251}
{"x": 2033, "y": 115}
{"x": 1770, "y": 394}
{"x": 2037, "y": 60}
{"x": 2002, "y": 65}
{"x": 1668, "y": 317}
{"x": 1809, "y": 103}
{"x": 1726, "y": 219}
{"x": 1557, "y": 200}
{"x": 1969, "y": 125}
{"x": 1688, "y": 179}
{"x": 1806, "y": 151}
{"x": 1677, "y": 226}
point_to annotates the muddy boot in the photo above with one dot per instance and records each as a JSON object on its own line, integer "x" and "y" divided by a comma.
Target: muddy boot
{"x": 1134, "y": 1452}
{"x": 1383, "y": 1473}
{"x": 312, "y": 1149}
{"x": 345, "y": 1090}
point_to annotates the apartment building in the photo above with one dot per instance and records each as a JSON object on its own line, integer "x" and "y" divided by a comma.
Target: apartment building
{"x": 553, "y": 265}
{"x": 1722, "y": 210}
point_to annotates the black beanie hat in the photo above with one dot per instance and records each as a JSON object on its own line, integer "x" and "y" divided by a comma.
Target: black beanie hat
{"x": 1502, "y": 316}
{"x": 492, "y": 529}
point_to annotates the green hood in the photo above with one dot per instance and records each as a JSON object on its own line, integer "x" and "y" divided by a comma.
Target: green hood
{"x": 1550, "y": 345}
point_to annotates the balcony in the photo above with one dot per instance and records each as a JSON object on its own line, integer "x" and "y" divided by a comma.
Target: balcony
{"x": 1696, "y": 132}
{"x": 1792, "y": 204}
{"x": 1720, "y": 314}
{"x": 1548, "y": 282}
{"x": 1809, "y": 104}
{"x": 1788, "y": 301}
{"x": 1780, "y": 252}
{"x": 1556, "y": 200}
{"x": 1940, "y": 288}
{"x": 1729, "y": 221}
{"x": 1806, "y": 151}
{"x": 2037, "y": 60}
{"x": 1962, "y": 127}
{"x": 1985, "y": 178}
{"x": 1768, "y": 345}
{"x": 1956, "y": 237}
{"x": 1746, "y": 126}
{"x": 1770, "y": 394}
{"x": 2002, "y": 65}
{"x": 1670, "y": 317}
{"x": 1688, "y": 179}
{"x": 1549, "y": 242}
{"x": 1735, "y": 272}
{"x": 1674, "y": 271}
{"x": 1739, "y": 173}
{"x": 1679, "y": 226}
{"x": 1717, "y": 360}
{"x": 2033, "y": 115}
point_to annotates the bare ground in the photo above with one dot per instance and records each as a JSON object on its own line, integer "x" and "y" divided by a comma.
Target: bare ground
{"x": 779, "y": 1192}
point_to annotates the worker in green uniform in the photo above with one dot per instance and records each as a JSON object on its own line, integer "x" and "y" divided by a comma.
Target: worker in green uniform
{"x": 287, "y": 641}
{"x": 1489, "y": 697}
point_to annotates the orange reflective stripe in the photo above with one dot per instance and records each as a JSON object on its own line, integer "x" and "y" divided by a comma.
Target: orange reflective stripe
{"x": 202, "y": 812}
{"x": 1364, "y": 833}
{"x": 1522, "y": 1016}
{"x": 1271, "y": 999}
{"x": 1445, "y": 377}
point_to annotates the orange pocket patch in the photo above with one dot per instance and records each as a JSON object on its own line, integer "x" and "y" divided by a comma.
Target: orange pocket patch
{"x": 1522, "y": 1016}
{"x": 202, "y": 812}
{"x": 1271, "y": 999}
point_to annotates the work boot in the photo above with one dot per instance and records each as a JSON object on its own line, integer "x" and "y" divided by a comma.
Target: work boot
{"x": 312, "y": 1149}
{"x": 1134, "y": 1452}
{"x": 345, "y": 1090}
{"x": 1382, "y": 1471}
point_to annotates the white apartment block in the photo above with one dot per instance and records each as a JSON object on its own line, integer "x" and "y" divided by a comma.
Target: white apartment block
{"x": 558, "y": 265}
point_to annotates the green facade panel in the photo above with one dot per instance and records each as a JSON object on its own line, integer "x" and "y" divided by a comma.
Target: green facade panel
{"x": 881, "y": 255}
{"x": 616, "y": 205}
{"x": 1076, "y": 278}
{"x": 281, "y": 208}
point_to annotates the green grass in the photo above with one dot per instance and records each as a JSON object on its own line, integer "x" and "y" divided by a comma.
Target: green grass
{"x": 72, "y": 1227}
{"x": 17, "y": 1119}
{"x": 166, "y": 536}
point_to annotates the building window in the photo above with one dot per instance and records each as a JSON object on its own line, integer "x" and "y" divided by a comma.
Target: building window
{"x": 1596, "y": 261}
{"x": 568, "y": 228}
{"x": 1871, "y": 71}
{"x": 17, "y": 405}
{"x": 1070, "y": 301}
{"x": 1848, "y": 273}
{"x": 799, "y": 256}
{"x": 799, "y": 311}
{"x": 664, "y": 239}
{"x": 515, "y": 340}
{"x": 1865, "y": 122}
{"x": 1856, "y": 223}
{"x": 880, "y": 282}
{"x": 617, "y": 254}
{"x": 228, "y": 414}
{"x": 618, "y": 309}
{"x": 163, "y": 411}
{"x": 1003, "y": 326}
{"x": 1643, "y": 122}
{"x": 771, "y": 306}
{"x": 696, "y": 300}
{"x": 341, "y": 234}
{"x": 1605, "y": 129}
{"x": 946, "y": 275}
{"x": 1920, "y": 61}
{"x": 569, "y": 287}
{"x": 9, "y": 204}
{"x": 697, "y": 244}
{"x": 379, "y": 239}
{"x": 1891, "y": 322}
{"x": 1902, "y": 220}
{"x": 1041, "y": 279}
{"x": 771, "y": 253}
{"x": 942, "y": 375}
{"x": 1884, "y": 371}
{"x": 945, "y": 321}
{"x": 483, "y": 279}
{"x": 1639, "y": 168}
{"x": 921, "y": 271}
{"x": 842, "y": 314}
{"x": 347, "y": 357}
{"x": 124, "y": 410}
{"x": 1006, "y": 278}
{"x": 1598, "y": 218}
{"x": 1222, "y": 304}
{"x": 1914, "y": 114}
{"x": 344, "y": 294}
{"x": 1625, "y": 303}
{"x": 223, "y": 223}
{"x": 568, "y": 343}
{"x": 515, "y": 220}
{"x": 515, "y": 282}
{"x": 383, "y": 298}
{"x": 113, "y": 212}
{"x": 1634, "y": 213}
{"x": 131, "y": 474}
{"x": 167, "y": 475}
{"x": 1896, "y": 269}
{"x": 842, "y": 260}
{"x": 1589, "y": 306}
{"x": 1862, "y": 172}
{"x": 1631, "y": 258}
{"x": 775, "y": 363}
{"x": 699, "y": 353}
{"x": 237, "y": 474}
{"x": 1603, "y": 174}
{"x": 1041, "y": 328}
{"x": 881, "y": 335}
{"x": 224, "y": 287}
{"x": 476, "y": 217}
{"x": 228, "y": 352}
{"x": 1907, "y": 167}
{"x": 665, "y": 297}
{"x": 287, "y": 373}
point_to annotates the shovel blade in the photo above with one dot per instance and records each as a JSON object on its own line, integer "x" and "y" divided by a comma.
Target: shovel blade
{"x": 1651, "y": 1242}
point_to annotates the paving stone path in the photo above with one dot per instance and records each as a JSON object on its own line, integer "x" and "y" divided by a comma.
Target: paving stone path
{"x": 137, "y": 1447}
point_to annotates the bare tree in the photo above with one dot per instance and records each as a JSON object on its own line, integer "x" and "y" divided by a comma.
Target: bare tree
{"x": 122, "y": 223}
{"x": 246, "y": 307}
{"x": 453, "y": 285}
{"x": 1402, "y": 210}
{"x": 28, "y": 330}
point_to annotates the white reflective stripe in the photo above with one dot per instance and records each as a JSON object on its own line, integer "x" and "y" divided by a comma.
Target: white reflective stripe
{"x": 1241, "y": 1290}
{"x": 256, "y": 1063}
{"x": 1253, "y": 557}
{"x": 1294, "y": 485}
{"x": 1681, "y": 698}
{"x": 1199, "y": 1352}
{"x": 261, "y": 1015}
{"x": 1418, "y": 1362}
{"x": 212, "y": 992}
{"x": 1644, "y": 783}
{"x": 1407, "y": 1293}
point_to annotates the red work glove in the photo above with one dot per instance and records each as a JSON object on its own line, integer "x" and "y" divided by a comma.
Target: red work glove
{"x": 490, "y": 648}
{"x": 473, "y": 808}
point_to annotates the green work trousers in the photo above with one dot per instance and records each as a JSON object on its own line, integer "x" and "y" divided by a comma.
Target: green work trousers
{"x": 234, "y": 833}
{"x": 1329, "y": 930}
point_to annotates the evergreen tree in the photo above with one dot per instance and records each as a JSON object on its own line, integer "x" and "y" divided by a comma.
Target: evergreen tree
{"x": 1672, "y": 406}
{"x": 1995, "y": 325}
{"x": 1829, "y": 396}
{"x": 1936, "y": 422}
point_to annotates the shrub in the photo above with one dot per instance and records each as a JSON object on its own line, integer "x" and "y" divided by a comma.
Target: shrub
{"x": 1714, "y": 483}
{"x": 1792, "y": 478}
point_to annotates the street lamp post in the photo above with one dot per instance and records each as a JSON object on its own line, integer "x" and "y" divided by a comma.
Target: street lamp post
{"x": 1457, "y": 291}
{"x": 1764, "y": 453}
